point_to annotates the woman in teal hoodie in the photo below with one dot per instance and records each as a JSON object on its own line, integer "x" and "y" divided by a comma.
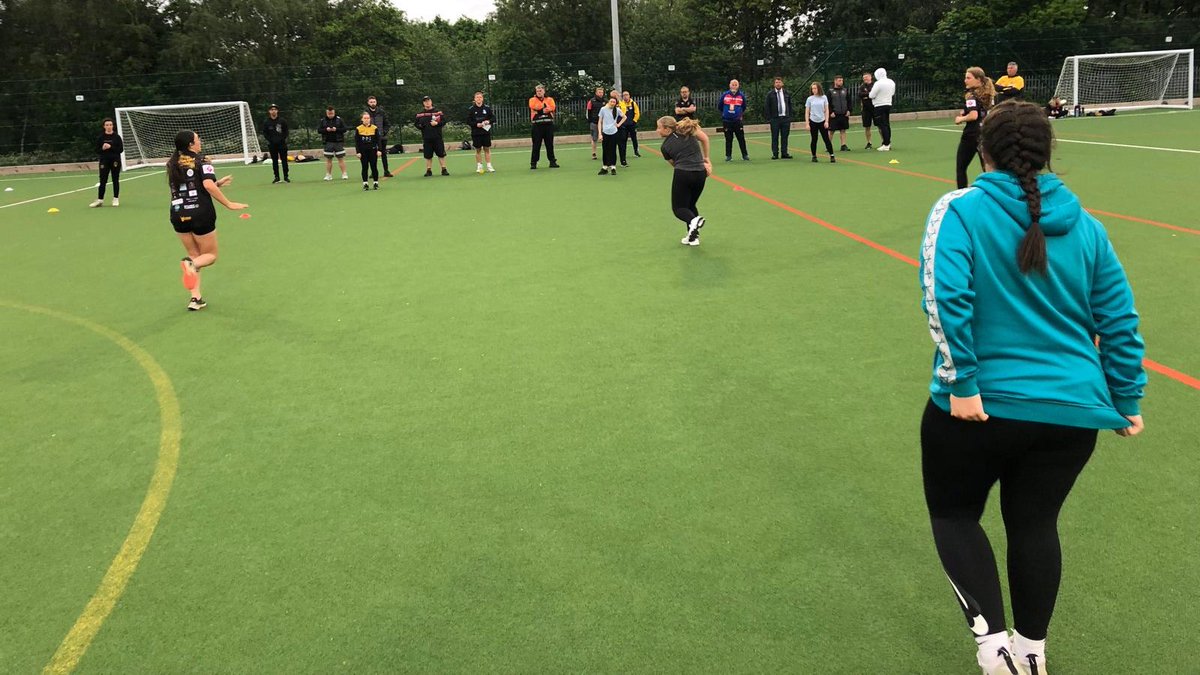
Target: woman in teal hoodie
{"x": 1019, "y": 284}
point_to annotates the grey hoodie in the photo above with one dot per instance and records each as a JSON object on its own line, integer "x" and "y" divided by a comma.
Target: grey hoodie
{"x": 883, "y": 90}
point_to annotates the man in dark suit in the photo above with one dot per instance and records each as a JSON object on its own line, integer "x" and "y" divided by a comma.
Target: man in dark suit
{"x": 779, "y": 114}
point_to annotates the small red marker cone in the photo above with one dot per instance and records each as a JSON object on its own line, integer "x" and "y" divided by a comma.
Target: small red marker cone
{"x": 244, "y": 216}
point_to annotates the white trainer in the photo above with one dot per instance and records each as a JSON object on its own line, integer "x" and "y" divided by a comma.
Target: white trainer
{"x": 345, "y": 176}
{"x": 96, "y": 204}
{"x": 490, "y": 169}
{"x": 1031, "y": 664}
{"x": 328, "y": 177}
{"x": 116, "y": 202}
{"x": 885, "y": 148}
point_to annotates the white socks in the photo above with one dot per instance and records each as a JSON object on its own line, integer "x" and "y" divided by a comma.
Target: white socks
{"x": 1023, "y": 647}
{"x": 989, "y": 650}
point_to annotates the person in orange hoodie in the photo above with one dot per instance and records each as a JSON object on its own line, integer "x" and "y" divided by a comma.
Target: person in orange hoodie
{"x": 541, "y": 115}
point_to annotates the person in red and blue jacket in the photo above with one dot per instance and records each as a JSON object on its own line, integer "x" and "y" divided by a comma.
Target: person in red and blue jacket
{"x": 733, "y": 109}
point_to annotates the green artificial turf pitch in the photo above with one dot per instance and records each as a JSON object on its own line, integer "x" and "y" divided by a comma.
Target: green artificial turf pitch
{"x": 508, "y": 423}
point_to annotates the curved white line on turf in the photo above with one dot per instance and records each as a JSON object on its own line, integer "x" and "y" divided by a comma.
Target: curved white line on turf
{"x": 112, "y": 586}
{"x": 69, "y": 192}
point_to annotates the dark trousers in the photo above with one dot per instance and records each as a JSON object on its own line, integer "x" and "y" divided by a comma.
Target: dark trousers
{"x": 622, "y": 142}
{"x": 1036, "y": 466}
{"x": 735, "y": 129}
{"x": 686, "y": 187}
{"x": 278, "y": 155}
{"x": 542, "y": 133}
{"x": 631, "y": 132}
{"x": 110, "y": 167}
{"x": 883, "y": 120}
{"x": 815, "y": 129}
{"x": 968, "y": 148}
{"x": 609, "y": 144}
{"x": 383, "y": 158}
{"x": 781, "y": 128}
{"x": 369, "y": 160}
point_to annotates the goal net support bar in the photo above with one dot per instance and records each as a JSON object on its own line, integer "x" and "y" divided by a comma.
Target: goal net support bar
{"x": 1129, "y": 81}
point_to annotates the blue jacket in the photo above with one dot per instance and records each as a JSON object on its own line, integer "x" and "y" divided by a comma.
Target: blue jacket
{"x": 1025, "y": 342}
{"x": 732, "y": 106}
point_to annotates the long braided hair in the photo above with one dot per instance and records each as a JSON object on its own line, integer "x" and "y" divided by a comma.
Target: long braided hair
{"x": 1017, "y": 138}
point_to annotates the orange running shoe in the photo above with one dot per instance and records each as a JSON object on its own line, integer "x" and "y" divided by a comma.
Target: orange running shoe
{"x": 190, "y": 277}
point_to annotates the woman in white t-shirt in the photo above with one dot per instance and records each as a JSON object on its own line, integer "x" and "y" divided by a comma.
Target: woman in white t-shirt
{"x": 816, "y": 120}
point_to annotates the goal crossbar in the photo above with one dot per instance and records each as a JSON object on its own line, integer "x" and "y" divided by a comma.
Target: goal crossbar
{"x": 227, "y": 132}
{"x": 1129, "y": 80}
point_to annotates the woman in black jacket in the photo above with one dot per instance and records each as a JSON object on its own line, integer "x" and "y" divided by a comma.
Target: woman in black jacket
{"x": 110, "y": 146}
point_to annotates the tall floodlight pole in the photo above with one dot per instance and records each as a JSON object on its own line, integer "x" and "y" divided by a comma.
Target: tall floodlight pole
{"x": 616, "y": 37}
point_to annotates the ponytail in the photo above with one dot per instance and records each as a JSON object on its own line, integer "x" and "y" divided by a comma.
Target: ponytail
{"x": 684, "y": 127}
{"x": 183, "y": 140}
{"x": 1017, "y": 138}
{"x": 985, "y": 93}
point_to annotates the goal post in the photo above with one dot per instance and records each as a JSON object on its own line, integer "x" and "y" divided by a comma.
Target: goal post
{"x": 1129, "y": 81}
{"x": 227, "y": 132}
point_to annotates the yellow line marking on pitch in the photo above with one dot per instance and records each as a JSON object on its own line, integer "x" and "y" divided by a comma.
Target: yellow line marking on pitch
{"x": 112, "y": 586}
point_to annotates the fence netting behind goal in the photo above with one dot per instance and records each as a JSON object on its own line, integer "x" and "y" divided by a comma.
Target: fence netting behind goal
{"x": 1126, "y": 81}
{"x": 226, "y": 131}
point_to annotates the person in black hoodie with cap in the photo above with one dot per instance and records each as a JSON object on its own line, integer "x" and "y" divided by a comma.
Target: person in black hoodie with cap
{"x": 110, "y": 147}
{"x": 275, "y": 130}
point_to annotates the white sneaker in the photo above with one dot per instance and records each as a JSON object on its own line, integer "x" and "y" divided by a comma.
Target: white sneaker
{"x": 345, "y": 176}
{"x": 116, "y": 202}
{"x": 885, "y": 148}
{"x": 694, "y": 227}
{"x": 328, "y": 177}
{"x": 490, "y": 169}
{"x": 1000, "y": 663}
{"x": 96, "y": 204}
{"x": 479, "y": 168}
{"x": 1031, "y": 664}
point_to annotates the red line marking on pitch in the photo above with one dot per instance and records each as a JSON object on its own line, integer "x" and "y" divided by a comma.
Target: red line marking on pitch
{"x": 1098, "y": 212}
{"x": 1155, "y": 366}
{"x": 403, "y": 166}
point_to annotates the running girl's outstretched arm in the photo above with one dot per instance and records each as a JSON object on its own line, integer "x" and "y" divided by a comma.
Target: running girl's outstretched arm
{"x": 215, "y": 191}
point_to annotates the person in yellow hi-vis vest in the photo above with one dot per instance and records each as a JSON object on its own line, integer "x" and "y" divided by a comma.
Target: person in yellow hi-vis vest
{"x": 1010, "y": 85}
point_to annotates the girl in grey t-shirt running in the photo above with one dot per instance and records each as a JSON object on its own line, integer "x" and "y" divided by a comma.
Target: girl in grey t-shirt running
{"x": 816, "y": 120}
{"x": 685, "y": 147}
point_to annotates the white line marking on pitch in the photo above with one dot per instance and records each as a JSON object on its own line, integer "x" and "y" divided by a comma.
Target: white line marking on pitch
{"x": 68, "y": 192}
{"x": 1111, "y": 145}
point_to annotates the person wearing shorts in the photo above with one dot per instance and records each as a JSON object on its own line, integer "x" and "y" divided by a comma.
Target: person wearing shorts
{"x": 480, "y": 118}
{"x": 431, "y": 121}
{"x": 865, "y": 106}
{"x": 333, "y": 133}
{"x": 840, "y": 102}
{"x": 594, "y": 104}
{"x": 194, "y": 185}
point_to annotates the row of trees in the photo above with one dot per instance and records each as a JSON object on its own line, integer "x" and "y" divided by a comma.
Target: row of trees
{"x": 303, "y": 54}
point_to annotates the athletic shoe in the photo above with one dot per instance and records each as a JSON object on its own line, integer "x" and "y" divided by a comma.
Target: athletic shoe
{"x": 844, "y": 148}
{"x": 553, "y": 165}
{"x": 612, "y": 171}
{"x": 490, "y": 169}
{"x": 603, "y": 171}
{"x": 814, "y": 160}
{"x": 728, "y": 158}
{"x": 774, "y": 156}
{"x": 785, "y": 156}
{"x": 445, "y": 172}
{"x": 96, "y": 204}
{"x": 745, "y": 158}
{"x": 376, "y": 186}
{"x": 190, "y": 276}
{"x": 345, "y": 176}
{"x": 1001, "y": 663}
{"x": 885, "y": 148}
{"x": 690, "y": 240}
{"x": 636, "y": 153}
{"x": 1031, "y": 664}
{"x": 694, "y": 226}
{"x": 275, "y": 181}
{"x": 533, "y": 167}
{"x": 387, "y": 174}
{"x": 328, "y": 177}
{"x": 868, "y": 147}
{"x": 116, "y": 202}
{"x": 832, "y": 159}
{"x": 593, "y": 155}
{"x": 286, "y": 179}
{"x": 196, "y": 304}
{"x": 366, "y": 188}
{"x": 625, "y": 164}
{"x": 429, "y": 173}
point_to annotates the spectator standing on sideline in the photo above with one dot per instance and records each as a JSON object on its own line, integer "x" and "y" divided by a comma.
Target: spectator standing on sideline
{"x": 633, "y": 113}
{"x": 779, "y": 114}
{"x": 333, "y": 132}
{"x": 816, "y": 120}
{"x": 275, "y": 130}
{"x": 882, "y": 93}
{"x": 1010, "y": 85}
{"x": 594, "y": 104}
{"x": 480, "y": 118}
{"x": 733, "y": 110}
{"x": 840, "y": 102}
{"x": 866, "y": 107}
{"x": 369, "y": 147}
{"x": 611, "y": 119}
{"x": 384, "y": 124}
{"x": 542, "y": 111}
{"x": 110, "y": 146}
{"x": 430, "y": 121}
{"x": 685, "y": 107}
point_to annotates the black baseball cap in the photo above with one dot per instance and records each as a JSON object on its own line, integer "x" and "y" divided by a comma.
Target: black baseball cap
{"x": 272, "y": 107}
{"x": 426, "y": 98}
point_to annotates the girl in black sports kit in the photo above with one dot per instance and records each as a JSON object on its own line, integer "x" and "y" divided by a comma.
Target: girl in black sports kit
{"x": 110, "y": 146}
{"x": 977, "y": 101}
{"x": 194, "y": 185}
{"x": 685, "y": 146}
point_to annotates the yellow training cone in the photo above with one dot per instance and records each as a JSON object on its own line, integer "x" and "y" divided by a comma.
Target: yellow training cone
{"x": 52, "y": 210}
{"x": 894, "y": 161}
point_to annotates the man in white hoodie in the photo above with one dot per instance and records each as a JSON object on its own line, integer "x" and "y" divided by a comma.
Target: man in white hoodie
{"x": 881, "y": 97}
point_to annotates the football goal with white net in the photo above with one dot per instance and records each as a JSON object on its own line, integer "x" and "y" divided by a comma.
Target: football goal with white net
{"x": 227, "y": 133}
{"x": 1162, "y": 79}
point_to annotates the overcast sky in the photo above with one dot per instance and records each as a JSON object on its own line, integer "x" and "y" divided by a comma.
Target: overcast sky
{"x": 450, "y": 10}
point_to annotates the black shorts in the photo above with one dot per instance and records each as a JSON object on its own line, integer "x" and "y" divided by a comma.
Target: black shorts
{"x": 839, "y": 122}
{"x": 481, "y": 141}
{"x": 868, "y": 116}
{"x": 434, "y": 146}
{"x": 197, "y": 225}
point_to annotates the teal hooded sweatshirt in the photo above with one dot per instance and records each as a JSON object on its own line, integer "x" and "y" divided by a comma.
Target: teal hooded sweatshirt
{"x": 1026, "y": 342}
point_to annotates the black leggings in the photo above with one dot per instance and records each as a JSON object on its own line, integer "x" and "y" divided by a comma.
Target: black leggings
{"x": 1036, "y": 466}
{"x": 686, "y": 187}
{"x": 968, "y": 148}
{"x": 735, "y": 129}
{"x": 110, "y": 167}
{"x": 622, "y": 142}
{"x": 370, "y": 160}
{"x": 815, "y": 128}
{"x": 883, "y": 120}
{"x": 608, "y": 145}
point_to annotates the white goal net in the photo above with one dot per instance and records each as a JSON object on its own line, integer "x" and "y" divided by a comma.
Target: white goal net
{"x": 1163, "y": 79}
{"x": 227, "y": 133}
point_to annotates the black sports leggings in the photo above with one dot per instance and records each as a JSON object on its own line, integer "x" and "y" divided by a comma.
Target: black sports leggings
{"x": 883, "y": 120}
{"x": 686, "y": 187}
{"x": 735, "y": 129}
{"x": 968, "y": 148}
{"x": 110, "y": 167}
{"x": 369, "y": 160}
{"x": 1036, "y": 466}
{"x": 815, "y": 128}
{"x": 608, "y": 148}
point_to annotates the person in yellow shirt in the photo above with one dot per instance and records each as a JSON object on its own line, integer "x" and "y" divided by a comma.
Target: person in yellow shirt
{"x": 1010, "y": 85}
{"x": 542, "y": 111}
{"x": 633, "y": 113}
